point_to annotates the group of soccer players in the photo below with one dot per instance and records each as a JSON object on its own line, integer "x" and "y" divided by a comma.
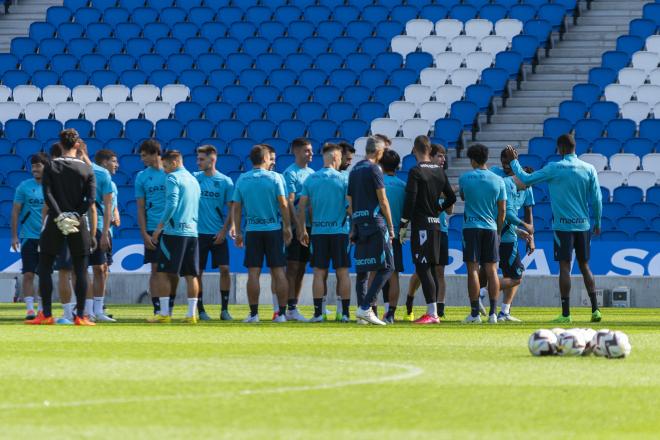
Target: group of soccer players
{"x": 67, "y": 211}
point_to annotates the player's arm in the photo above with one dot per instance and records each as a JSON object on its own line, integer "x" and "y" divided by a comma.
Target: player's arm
{"x": 529, "y": 216}
{"x": 116, "y": 218}
{"x": 501, "y": 215}
{"x": 220, "y": 237}
{"x": 303, "y": 236}
{"x": 291, "y": 197}
{"x": 411, "y": 196}
{"x": 107, "y": 220}
{"x": 286, "y": 220}
{"x": 142, "y": 223}
{"x": 385, "y": 209}
{"x": 49, "y": 198}
{"x": 596, "y": 201}
{"x": 450, "y": 197}
{"x": 237, "y": 212}
{"x": 171, "y": 202}
{"x": 15, "y": 212}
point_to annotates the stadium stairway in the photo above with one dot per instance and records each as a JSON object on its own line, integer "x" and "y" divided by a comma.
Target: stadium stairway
{"x": 555, "y": 75}
{"x": 21, "y": 15}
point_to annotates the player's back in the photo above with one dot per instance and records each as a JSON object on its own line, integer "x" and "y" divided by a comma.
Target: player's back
{"x": 481, "y": 190}
{"x": 515, "y": 200}
{"x": 186, "y": 213}
{"x": 29, "y": 194}
{"x": 395, "y": 189}
{"x": 72, "y": 183}
{"x": 257, "y": 190}
{"x": 363, "y": 181}
{"x": 571, "y": 189}
{"x": 428, "y": 181}
{"x": 326, "y": 190}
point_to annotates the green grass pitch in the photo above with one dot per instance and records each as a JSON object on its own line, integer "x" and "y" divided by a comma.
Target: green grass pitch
{"x": 230, "y": 380}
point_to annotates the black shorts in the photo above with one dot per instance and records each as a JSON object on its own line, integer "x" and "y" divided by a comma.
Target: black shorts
{"x": 425, "y": 246}
{"x": 52, "y": 239}
{"x": 330, "y": 247}
{"x": 219, "y": 252}
{"x": 566, "y": 241}
{"x": 444, "y": 249}
{"x": 268, "y": 244}
{"x": 480, "y": 246}
{"x": 510, "y": 262}
{"x": 296, "y": 251}
{"x": 397, "y": 255}
{"x": 63, "y": 259}
{"x": 30, "y": 255}
{"x": 99, "y": 257}
{"x": 152, "y": 256}
{"x": 179, "y": 255}
{"x": 373, "y": 251}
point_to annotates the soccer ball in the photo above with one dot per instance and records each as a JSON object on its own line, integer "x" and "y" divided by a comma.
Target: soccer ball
{"x": 595, "y": 342}
{"x": 542, "y": 343}
{"x": 570, "y": 343}
{"x": 558, "y": 331}
{"x": 615, "y": 345}
{"x": 588, "y": 334}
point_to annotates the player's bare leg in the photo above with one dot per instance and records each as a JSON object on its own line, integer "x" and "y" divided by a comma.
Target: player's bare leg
{"x": 590, "y": 286}
{"x": 282, "y": 290}
{"x": 295, "y": 271}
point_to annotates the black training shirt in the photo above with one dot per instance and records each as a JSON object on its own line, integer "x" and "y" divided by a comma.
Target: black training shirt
{"x": 427, "y": 184}
{"x": 69, "y": 185}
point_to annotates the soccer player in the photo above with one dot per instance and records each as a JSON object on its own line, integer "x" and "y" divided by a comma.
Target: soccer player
{"x": 99, "y": 259}
{"x": 395, "y": 189}
{"x": 573, "y": 186}
{"x": 438, "y": 156}
{"x": 26, "y": 211}
{"x": 69, "y": 189}
{"x": 297, "y": 255}
{"x": 179, "y": 249}
{"x": 325, "y": 193}
{"x": 485, "y": 209}
{"x": 427, "y": 184}
{"x": 371, "y": 229}
{"x": 347, "y": 153}
{"x": 214, "y": 223}
{"x": 150, "y": 198}
{"x": 272, "y": 154}
{"x": 260, "y": 194}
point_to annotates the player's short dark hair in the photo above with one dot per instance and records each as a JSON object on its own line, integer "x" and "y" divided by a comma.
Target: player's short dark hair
{"x": 566, "y": 144}
{"x": 422, "y": 144}
{"x": 171, "y": 155}
{"x": 68, "y": 139}
{"x": 268, "y": 147}
{"x": 329, "y": 147}
{"x": 346, "y": 147}
{"x": 258, "y": 154}
{"x": 438, "y": 149}
{"x": 150, "y": 146}
{"x": 39, "y": 157}
{"x": 390, "y": 161}
{"x": 478, "y": 153}
{"x": 299, "y": 143}
{"x": 55, "y": 150}
{"x": 383, "y": 138}
{"x": 103, "y": 155}
{"x": 208, "y": 150}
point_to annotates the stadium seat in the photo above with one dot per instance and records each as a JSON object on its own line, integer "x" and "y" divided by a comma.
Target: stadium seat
{"x": 614, "y": 236}
{"x": 555, "y": 127}
{"x": 589, "y": 129}
{"x": 629, "y": 44}
{"x": 572, "y": 110}
{"x": 606, "y": 146}
{"x": 635, "y": 111}
{"x": 619, "y": 93}
{"x": 596, "y": 159}
{"x": 587, "y": 93}
{"x": 642, "y": 179}
{"x": 610, "y": 179}
{"x": 624, "y": 163}
{"x": 627, "y": 195}
{"x": 448, "y": 131}
{"x": 615, "y": 60}
{"x": 645, "y": 210}
{"x": 604, "y": 111}
{"x": 621, "y": 129}
{"x": 651, "y": 162}
{"x": 638, "y": 146}
{"x": 388, "y": 127}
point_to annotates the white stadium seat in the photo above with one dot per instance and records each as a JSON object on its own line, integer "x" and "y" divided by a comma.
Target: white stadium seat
{"x": 653, "y": 44}
{"x": 25, "y": 94}
{"x": 418, "y": 94}
{"x": 651, "y": 162}
{"x": 642, "y": 179}
{"x": 654, "y": 77}
{"x": 618, "y": 93}
{"x": 632, "y": 77}
{"x": 125, "y": 111}
{"x": 175, "y": 93}
{"x": 494, "y": 44}
{"x": 434, "y": 44}
{"x": 479, "y": 60}
{"x": 656, "y": 110}
{"x": 83, "y": 95}
{"x": 402, "y": 145}
{"x": 404, "y": 44}
{"x": 635, "y": 110}
{"x": 625, "y": 163}
{"x": 647, "y": 61}
{"x": 415, "y": 127}
{"x": 464, "y": 77}
{"x": 478, "y": 27}
{"x": 95, "y": 111}
{"x": 37, "y": 110}
{"x": 155, "y": 111}
{"x": 508, "y": 27}
{"x": 449, "y": 60}
{"x": 596, "y": 159}
{"x": 5, "y": 93}
{"x": 67, "y": 110}
{"x": 419, "y": 28}
{"x": 464, "y": 44}
{"x": 144, "y": 94}
{"x": 402, "y": 110}
{"x": 433, "y": 77}
{"x": 649, "y": 93}
{"x": 53, "y": 95}
{"x": 115, "y": 93}
{"x": 433, "y": 110}
{"x": 9, "y": 110}
{"x": 448, "y": 28}
{"x": 360, "y": 145}
{"x": 388, "y": 127}
{"x": 449, "y": 94}
{"x": 610, "y": 179}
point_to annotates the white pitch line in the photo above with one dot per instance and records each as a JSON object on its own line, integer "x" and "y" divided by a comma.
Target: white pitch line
{"x": 410, "y": 372}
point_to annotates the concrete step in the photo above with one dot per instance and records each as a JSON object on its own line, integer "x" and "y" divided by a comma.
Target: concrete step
{"x": 594, "y": 36}
{"x": 603, "y": 28}
{"x": 558, "y": 69}
{"x": 514, "y": 109}
{"x": 521, "y": 125}
{"x": 546, "y": 83}
{"x": 596, "y": 45}
{"x": 557, "y": 59}
{"x": 506, "y": 118}
{"x": 559, "y": 94}
{"x": 506, "y": 135}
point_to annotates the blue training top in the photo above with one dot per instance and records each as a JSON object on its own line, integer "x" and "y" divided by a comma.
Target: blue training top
{"x": 514, "y": 201}
{"x": 529, "y": 193}
{"x": 150, "y": 186}
{"x": 481, "y": 190}
{"x": 363, "y": 181}
{"x": 326, "y": 190}
{"x": 295, "y": 177}
{"x": 115, "y": 195}
{"x": 258, "y": 190}
{"x": 30, "y": 196}
{"x": 573, "y": 185}
{"x": 103, "y": 188}
{"x": 395, "y": 189}
{"x": 182, "y": 196}
{"x": 216, "y": 192}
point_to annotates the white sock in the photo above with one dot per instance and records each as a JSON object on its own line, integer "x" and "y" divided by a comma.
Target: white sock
{"x": 192, "y": 307}
{"x": 98, "y": 305}
{"x": 325, "y": 305}
{"x": 68, "y": 311}
{"x": 164, "y": 305}
{"x": 89, "y": 307}
{"x": 506, "y": 308}
{"x": 40, "y": 307}
{"x": 432, "y": 309}
{"x": 276, "y": 303}
{"x": 483, "y": 292}
{"x": 386, "y": 306}
{"x": 339, "y": 304}
{"x": 29, "y": 303}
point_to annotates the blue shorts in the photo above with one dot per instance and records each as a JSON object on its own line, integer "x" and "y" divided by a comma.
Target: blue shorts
{"x": 330, "y": 247}
{"x": 179, "y": 255}
{"x": 30, "y": 255}
{"x": 480, "y": 246}
{"x": 264, "y": 244}
{"x": 219, "y": 252}
{"x": 296, "y": 251}
{"x": 510, "y": 262}
{"x": 566, "y": 241}
{"x": 151, "y": 256}
{"x": 373, "y": 251}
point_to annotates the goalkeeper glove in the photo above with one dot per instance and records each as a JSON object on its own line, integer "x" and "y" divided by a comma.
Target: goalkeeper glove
{"x": 68, "y": 222}
{"x": 403, "y": 230}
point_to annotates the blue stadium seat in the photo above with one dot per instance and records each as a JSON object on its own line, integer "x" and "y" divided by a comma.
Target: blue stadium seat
{"x": 249, "y": 111}
{"x": 587, "y": 93}
{"x": 326, "y": 95}
{"x": 162, "y": 77}
{"x": 179, "y": 62}
{"x": 57, "y": 15}
{"x": 582, "y": 146}
{"x": 230, "y": 129}
{"x": 588, "y": 129}
{"x": 642, "y": 27}
{"x": 205, "y": 95}
{"x": 496, "y": 78}
{"x": 310, "y": 111}
{"x": 344, "y": 46}
{"x": 27, "y": 147}
{"x": 606, "y": 146}
{"x": 272, "y": 30}
{"x": 192, "y": 78}
{"x": 572, "y": 110}
{"x": 342, "y": 78}
{"x": 209, "y": 62}
{"x": 185, "y": 31}
{"x": 541, "y": 29}
{"x": 102, "y": 78}
{"x": 646, "y": 236}
{"x": 614, "y": 210}
{"x": 167, "y": 47}
{"x": 628, "y": 195}
{"x": 418, "y": 61}
{"x": 388, "y": 61}
{"x": 151, "y": 62}
{"x": 221, "y": 78}
{"x": 602, "y": 77}
{"x": 280, "y": 145}
{"x": 127, "y": 31}
{"x": 283, "y": 77}
{"x": 173, "y": 15}
{"x": 257, "y": 14}
{"x": 322, "y": 129}
{"x": 92, "y": 62}
{"x": 605, "y": 193}
{"x": 15, "y": 177}
{"x": 168, "y": 129}
{"x": 527, "y": 46}
{"x": 82, "y": 126}
{"x": 490, "y": 12}
{"x": 218, "y": 111}
{"x": 509, "y": 61}
{"x": 373, "y": 78}
{"x": 138, "y": 129}
{"x": 283, "y": 161}
{"x": 615, "y": 60}
{"x": 279, "y": 111}
{"x": 386, "y": 94}
{"x": 554, "y": 14}
{"x": 22, "y": 46}
{"x": 403, "y": 77}
{"x": 43, "y": 78}
{"x": 312, "y": 78}
{"x": 481, "y": 95}
{"x": 460, "y": 12}
{"x": 448, "y": 131}
{"x": 344, "y": 14}
{"x": 130, "y": 163}
{"x": 621, "y": 129}
{"x": 645, "y": 210}
{"x": 614, "y": 236}
{"x": 121, "y": 62}
{"x": 352, "y": 129}
{"x": 11, "y": 162}
{"x": 295, "y": 95}
{"x": 212, "y": 30}
{"x": 651, "y": 11}
{"x": 629, "y": 44}
{"x": 542, "y": 146}
{"x": 225, "y": 46}
{"x": 368, "y": 111}
{"x": 302, "y": 29}
{"x": 301, "y": 61}
{"x": 86, "y": 16}
{"x": 291, "y": 129}
{"x": 6, "y": 147}
{"x": 255, "y": 46}
{"x": 316, "y": 14}
{"x": 33, "y": 62}
{"x": 315, "y": 46}
{"x": 523, "y": 13}
{"x": 555, "y": 127}
{"x": 46, "y": 129}
{"x": 199, "y": 129}
{"x": 359, "y": 29}
{"x": 638, "y": 146}
{"x": 536, "y": 4}
{"x": 340, "y": 111}
{"x": 604, "y": 111}
{"x": 265, "y": 95}
{"x": 200, "y": 15}
{"x": 60, "y": 63}
{"x": 16, "y": 129}
{"x": 328, "y": 29}
{"x": 261, "y": 129}
{"x": 40, "y": 30}
{"x": 106, "y": 129}
{"x": 115, "y": 16}
{"x": 120, "y": 146}
{"x": 357, "y": 95}
{"x": 241, "y": 148}
{"x": 650, "y": 129}
{"x": 66, "y": 31}
{"x": 251, "y": 78}
{"x": 531, "y": 160}
{"x": 228, "y": 163}
{"x": 408, "y": 162}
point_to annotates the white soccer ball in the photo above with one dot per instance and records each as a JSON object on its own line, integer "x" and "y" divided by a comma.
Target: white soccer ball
{"x": 570, "y": 343}
{"x": 542, "y": 343}
{"x": 588, "y": 334}
{"x": 595, "y": 341}
{"x": 558, "y": 331}
{"x": 615, "y": 345}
